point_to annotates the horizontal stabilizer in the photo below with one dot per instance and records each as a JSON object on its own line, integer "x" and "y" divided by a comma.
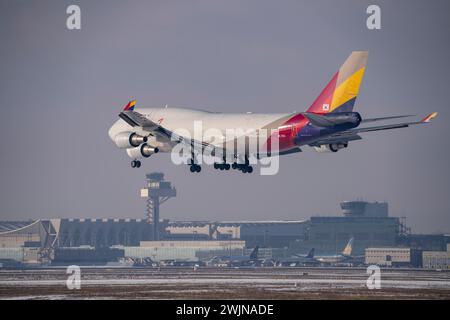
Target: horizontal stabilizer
{"x": 385, "y": 118}
{"x": 429, "y": 117}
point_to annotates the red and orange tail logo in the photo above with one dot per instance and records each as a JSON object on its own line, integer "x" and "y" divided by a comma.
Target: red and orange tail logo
{"x": 340, "y": 93}
{"x": 130, "y": 105}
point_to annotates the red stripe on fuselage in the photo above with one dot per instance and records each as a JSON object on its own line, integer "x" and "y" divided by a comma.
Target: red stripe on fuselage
{"x": 287, "y": 132}
{"x": 291, "y": 127}
{"x": 298, "y": 121}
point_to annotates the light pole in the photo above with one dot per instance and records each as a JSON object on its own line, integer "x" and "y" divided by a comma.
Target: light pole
{"x": 231, "y": 236}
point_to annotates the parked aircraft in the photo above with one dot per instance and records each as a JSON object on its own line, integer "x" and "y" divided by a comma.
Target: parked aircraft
{"x": 298, "y": 260}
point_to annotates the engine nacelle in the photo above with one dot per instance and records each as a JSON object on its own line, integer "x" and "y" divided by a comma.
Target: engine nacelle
{"x": 125, "y": 140}
{"x": 143, "y": 151}
{"x": 332, "y": 147}
{"x": 353, "y": 118}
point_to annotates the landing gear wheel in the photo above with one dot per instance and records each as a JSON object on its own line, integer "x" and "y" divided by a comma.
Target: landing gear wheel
{"x": 333, "y": 147}
{"x": 138, "y": 164}
{"x": 249, "y": 169}
{"x": 244, "y": 169}
{"x": 234, "y": 165}
{"x": 195, "y": 168}
{"x": 216, "y": 165}
{"x": 227, "y": 166}
{"x": 133, "y": 164}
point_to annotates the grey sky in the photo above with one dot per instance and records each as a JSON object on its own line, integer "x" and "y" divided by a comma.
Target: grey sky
{"x": 60, "y": 91}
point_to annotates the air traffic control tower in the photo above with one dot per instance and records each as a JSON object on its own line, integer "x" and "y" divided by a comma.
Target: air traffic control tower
{"x": 157, "y": 192}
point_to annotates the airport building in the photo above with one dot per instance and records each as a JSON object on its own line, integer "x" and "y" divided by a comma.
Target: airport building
{"x": 367, "y": 223}
{"x": 425, "y": 242}
{"x": 437, "y": 259}
{"x": 393, "y": 257}
{"x": 26, "y": 241}
{"x": 185, "y": 250}
{"x": 277, "y": 234}
{"x": 101, "y": 233}
{"x": 62, "y": 240}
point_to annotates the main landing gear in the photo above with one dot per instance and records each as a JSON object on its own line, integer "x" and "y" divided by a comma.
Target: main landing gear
{"x": 244, "y": 167}
{"x": 135, "y": 164}
{"x": 195, "y": 167}
{"x": 222, "y": 166}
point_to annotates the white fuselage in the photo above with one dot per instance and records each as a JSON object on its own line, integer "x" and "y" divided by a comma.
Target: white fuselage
{"x": 196, "y": 122}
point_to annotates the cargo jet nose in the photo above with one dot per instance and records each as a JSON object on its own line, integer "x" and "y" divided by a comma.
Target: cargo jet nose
{"x": 115, "y": 129}
{"x": 111, "y": 132}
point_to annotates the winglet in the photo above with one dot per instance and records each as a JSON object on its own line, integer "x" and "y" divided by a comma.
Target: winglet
{"x": 130, "y": 105}
{"x": 429, "y": 117}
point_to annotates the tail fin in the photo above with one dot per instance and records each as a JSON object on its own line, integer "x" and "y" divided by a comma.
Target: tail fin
{"x": 340, "y": 93}
{"x": 310, "y": 254}
{"x": 348, "y": 248}
{"x": 254, "y": 254}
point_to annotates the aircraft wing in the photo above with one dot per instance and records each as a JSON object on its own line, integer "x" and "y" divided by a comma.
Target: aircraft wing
{"x": 136, "y": 119}
{"x": 353, "y": 134}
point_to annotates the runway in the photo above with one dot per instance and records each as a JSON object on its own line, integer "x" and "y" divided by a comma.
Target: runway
{"x": 213, "y": 283}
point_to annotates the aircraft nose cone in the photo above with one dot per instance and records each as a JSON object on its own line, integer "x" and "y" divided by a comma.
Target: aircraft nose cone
{"x": 111, "y": 133}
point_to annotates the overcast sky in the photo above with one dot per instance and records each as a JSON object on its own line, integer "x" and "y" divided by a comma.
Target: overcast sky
{"x": 61, "y": 90}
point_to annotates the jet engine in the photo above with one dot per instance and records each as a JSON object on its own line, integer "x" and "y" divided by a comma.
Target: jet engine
{"x": 348, "y": 119}
{"x": 126, "y": 140}
{"x": 143, "y": 151}
{"x": 332, "y": 147}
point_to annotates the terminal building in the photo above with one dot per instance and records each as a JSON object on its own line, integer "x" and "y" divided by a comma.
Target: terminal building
{"x": 393, "y": 257}
{"x": 437, "y": 259}
{"x": 101, "y": 233}
{"x": 276, "y": 234}
{"x": 369, "y": 224}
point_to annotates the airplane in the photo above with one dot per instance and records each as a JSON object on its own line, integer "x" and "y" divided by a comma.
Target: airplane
{"x": 328, "y": 125}
{"x": 297, "y": 260}
{"x": 237, "y": 260}
{"x": 344, "y": 257}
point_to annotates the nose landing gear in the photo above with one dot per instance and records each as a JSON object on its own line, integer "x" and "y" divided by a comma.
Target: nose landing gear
{"x": 135, "y": 164}
{"x": 194, "y": 167}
